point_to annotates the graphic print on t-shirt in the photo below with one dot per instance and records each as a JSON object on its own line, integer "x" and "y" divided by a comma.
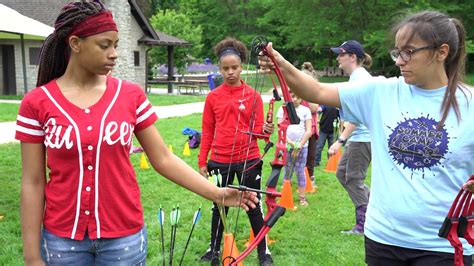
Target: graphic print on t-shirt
{"x": 416, "y": 143}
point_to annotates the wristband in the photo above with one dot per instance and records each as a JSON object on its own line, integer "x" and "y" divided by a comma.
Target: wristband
{"x": 342, "y": 141}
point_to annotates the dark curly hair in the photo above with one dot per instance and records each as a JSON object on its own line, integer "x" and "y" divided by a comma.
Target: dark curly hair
{"x": 55, "y": 51}
{"x": 231, "y": 43}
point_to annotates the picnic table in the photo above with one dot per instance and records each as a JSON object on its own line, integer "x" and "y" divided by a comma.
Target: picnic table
{"x": 196, "y": 87}
{"x": 195, "y": 84}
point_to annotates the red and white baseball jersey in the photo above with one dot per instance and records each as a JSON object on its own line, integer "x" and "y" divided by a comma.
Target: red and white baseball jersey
{"x": 92, "y": 185}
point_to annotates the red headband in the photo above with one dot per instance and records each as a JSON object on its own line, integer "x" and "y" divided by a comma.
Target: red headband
{"x": 99, "y": 23}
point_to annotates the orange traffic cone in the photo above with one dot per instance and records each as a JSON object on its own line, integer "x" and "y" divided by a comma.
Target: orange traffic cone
{"x": 286, "y": 199}
{"x": 309, "y": 185}
{"x": 230, "y": 250}
{"x": 143, "y": 162}
{"x": 186, "y": 151}
{"x": 252, "y": 237}
{"x": 333, "y": 162}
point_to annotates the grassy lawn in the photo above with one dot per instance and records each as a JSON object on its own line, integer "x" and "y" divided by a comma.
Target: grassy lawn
{"x": 165, "y": 99}
{"x": 309, "y": 236}
{"x": 11, "y": 97}
{"x": 8, "y": 112}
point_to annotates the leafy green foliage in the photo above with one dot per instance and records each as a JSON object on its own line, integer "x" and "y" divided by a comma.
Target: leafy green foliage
{"x": 179, "y": 25}
{"x": 305, "y": 30}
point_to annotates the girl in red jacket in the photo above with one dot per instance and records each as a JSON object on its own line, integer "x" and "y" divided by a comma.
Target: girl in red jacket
{"x": 231, "y": 111}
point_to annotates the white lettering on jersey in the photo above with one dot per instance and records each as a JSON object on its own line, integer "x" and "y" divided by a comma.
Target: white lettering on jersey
{"x": 125, "y": 134}
{"x": 53, "y": 138}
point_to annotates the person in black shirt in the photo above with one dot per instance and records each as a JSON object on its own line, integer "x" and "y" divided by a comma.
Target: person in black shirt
{"x": 329, "y": 118}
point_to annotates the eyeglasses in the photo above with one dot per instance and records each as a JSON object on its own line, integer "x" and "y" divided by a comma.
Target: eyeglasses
{"x": 407, "y": 53}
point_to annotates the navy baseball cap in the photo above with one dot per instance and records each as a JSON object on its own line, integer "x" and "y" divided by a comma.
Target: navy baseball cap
{"x": 352, "y": 47}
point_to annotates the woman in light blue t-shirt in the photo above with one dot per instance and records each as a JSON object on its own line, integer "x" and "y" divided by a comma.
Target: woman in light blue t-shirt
{"x": 421, "y": 133}
{"x": 355, "y": 160}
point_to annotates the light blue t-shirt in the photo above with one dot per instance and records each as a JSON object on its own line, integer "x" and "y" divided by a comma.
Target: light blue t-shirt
{"x": 417, "y": 169}
{"x": 361, "y": 133}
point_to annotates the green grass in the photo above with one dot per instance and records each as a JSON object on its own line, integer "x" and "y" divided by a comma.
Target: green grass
{"x": 8, "y": 111}
{"x": 333, "y": 79}
{"x": 11, "y": 97}
{"x": 309, "y": 236}
{"x": 165, "y": 99}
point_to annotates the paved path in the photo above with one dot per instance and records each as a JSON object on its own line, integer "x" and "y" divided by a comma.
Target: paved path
{"x": 7, "y": 129}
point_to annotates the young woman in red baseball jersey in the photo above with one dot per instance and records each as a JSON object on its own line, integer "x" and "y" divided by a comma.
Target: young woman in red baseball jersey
{"x": 231, "y": 111}
{"x": 79, "y": 123}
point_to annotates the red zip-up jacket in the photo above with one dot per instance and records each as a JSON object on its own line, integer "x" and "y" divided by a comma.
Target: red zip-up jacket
{"x": 228, "y": 113}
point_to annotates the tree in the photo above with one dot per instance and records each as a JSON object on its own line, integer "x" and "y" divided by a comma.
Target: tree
{"x": 304, "y": 30}
{"x": 226, "y": 18}
{"x": 179, "y": 25}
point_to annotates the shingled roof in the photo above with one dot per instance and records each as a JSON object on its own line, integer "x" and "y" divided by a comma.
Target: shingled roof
{"x": 154, "y": 37}
{"x": 46, "y": 11}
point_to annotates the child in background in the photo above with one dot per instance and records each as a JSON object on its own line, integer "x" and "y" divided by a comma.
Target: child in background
{"x": 297, "y": 138}
{"x": 329, "y": 117}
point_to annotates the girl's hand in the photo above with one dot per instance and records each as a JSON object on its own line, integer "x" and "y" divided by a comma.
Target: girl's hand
{"x": 291, "y": 143}
{"x": 296, "y": 150}
{"x": 268, "y": 128}
{"x": 203, "y": 171}
{"x": 469, "y": 186}
{"x": 236, "y": 198}
{"x": 34, "y": 262}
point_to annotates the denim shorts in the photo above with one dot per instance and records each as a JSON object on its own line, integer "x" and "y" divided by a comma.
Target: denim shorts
{"x": 127, "y": 250}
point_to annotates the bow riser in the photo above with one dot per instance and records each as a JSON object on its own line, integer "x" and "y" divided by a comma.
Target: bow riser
{"x": 270, "y": 219}
{"x": 274, "y": 211}
{"x": 458, "y": 223}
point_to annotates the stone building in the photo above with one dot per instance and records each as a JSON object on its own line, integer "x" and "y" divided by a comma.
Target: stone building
{"x": 135, "y": 33}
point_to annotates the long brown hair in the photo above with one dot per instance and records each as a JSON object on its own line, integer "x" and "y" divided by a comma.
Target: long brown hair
{"x": 54, "y": 55}
{"x": 436, "y": 29}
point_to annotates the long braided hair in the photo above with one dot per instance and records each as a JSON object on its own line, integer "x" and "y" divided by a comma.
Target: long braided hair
{"x": 55, "y": 51}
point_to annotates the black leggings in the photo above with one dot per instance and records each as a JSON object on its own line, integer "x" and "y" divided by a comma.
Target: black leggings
{"x": 250, "y": 180}
{"x": 380, "y": 254}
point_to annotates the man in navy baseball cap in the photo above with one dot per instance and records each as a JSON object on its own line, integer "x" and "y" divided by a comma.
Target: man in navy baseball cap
{"x": 351, "y": 47}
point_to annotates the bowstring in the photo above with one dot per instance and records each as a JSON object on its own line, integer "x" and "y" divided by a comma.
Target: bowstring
{"x": 257, "y": 89}
{"x": 286, "y": 112}
{"x": 213, "y": 245}
{"x": 231, "y": 162}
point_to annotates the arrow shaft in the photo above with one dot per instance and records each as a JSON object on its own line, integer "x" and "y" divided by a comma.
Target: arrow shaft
{"x": 162, "y": 244}
{"x": 187, "y": 243}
